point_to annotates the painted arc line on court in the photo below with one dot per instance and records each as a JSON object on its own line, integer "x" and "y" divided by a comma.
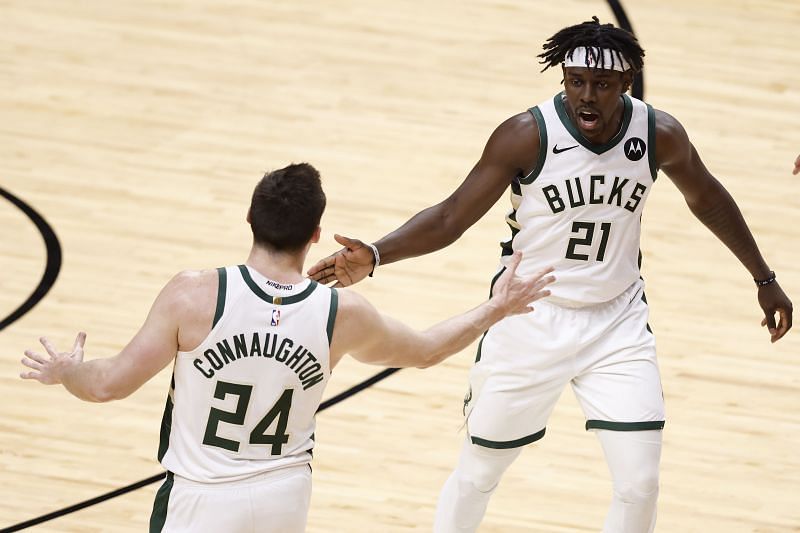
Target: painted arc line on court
{"x": 638, "y": 92}
{"x": 52, "y": 265}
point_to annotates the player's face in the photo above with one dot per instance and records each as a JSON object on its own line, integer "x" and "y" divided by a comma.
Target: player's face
{"x": 593, "y": 100}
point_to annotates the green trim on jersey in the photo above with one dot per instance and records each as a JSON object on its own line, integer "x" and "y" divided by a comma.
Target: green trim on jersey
{"x": 166, "y": 421}
{"x": 332, "y": 318}
{"x": 651, "y": 141}
{"x": 537, "y": 115}
{"x": 491, "y": 288}
{"x": 278, "y": 300}
{"x": 624, "y": 426}
{"x": 598, "y": 149}
{"x": 507, "y": 247}
{"x": 159, "y": 515}
{"x": 221, "y": 290}
{"x": 502, "y": 445}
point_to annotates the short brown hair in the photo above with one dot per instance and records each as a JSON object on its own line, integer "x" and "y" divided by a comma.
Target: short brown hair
{"x": 286, "y": 207}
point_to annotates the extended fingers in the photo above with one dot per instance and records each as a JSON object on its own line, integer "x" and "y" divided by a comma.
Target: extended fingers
{"x": 48, "y": 346}
{"x": 322, "y": 273}
{"x": 347, "y": 242}
{"x": 39, "y": 358}
{"x": 32, "y": 363}
{"x": 80, "y": 340}
{"x": 30, "y": 375}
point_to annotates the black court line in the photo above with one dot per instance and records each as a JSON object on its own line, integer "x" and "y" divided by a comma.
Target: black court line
{"x": 637, "y": 91}
{"x": 52, "y": 267}
{"x": 623, "y": 22}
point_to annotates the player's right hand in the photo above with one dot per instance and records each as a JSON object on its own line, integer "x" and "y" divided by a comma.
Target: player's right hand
{"x": 346, "y": 267}
{"x": 514, "y": 294}
{"x": 796, "y": 165}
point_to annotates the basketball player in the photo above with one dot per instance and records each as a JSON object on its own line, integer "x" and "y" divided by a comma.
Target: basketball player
{"x": 255, "y": 346}
{"x": 580, "y": 166}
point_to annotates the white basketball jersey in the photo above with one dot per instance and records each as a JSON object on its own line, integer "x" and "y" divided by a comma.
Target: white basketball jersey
{"x": 243, "y": 402}
{"x": 580, "y": 209}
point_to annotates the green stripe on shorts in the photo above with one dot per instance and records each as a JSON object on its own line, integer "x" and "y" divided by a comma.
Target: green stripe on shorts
{"x": 624, "y": 426}
{"x": 501, "y": 445}
{"x": 159, "y": 516}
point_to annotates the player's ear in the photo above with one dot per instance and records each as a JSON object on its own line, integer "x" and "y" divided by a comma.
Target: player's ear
{"x": 316, "y": 235}
{"x": 249, "y": 219}
{"x": 627, "y": 80}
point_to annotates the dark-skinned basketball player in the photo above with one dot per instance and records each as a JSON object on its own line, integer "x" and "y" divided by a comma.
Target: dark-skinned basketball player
{"x": 579, "y": 167}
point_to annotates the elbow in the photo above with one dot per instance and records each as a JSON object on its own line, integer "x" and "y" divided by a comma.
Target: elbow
{"x": 103, "y": 395}
{"x": 451, "y": 227}
{"x": 431, "y": 359}
{"x": 107, "y": 391}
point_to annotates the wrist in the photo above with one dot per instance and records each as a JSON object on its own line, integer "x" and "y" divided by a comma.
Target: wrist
{"x": 376, "y": 258}
{"x": 767, "y": 280}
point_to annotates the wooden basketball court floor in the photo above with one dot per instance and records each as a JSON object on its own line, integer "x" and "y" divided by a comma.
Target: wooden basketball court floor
{"x": 138, "y": 129}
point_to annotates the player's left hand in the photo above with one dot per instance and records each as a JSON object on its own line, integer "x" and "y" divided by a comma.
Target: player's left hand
{"x": 773, "y": 300}
{"x": 49, "y": 371}
{"x": 796, "y": 165}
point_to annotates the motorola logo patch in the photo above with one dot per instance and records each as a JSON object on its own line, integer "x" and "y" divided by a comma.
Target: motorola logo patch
{"x": 634, "y": 148}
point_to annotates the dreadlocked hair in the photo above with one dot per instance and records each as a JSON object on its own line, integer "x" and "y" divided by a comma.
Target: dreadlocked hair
{"x": 593, "y": 36}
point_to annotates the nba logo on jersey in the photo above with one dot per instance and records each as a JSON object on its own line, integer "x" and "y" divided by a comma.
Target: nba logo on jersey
{"x": 276, "y": 317}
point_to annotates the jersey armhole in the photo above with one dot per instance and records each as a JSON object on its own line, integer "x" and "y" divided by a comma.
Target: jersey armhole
{"x": 222, "y": 289}
{"x": 533, "y": 174}
{"x": 651, "y": 141}
{"x": 334, "y": 306}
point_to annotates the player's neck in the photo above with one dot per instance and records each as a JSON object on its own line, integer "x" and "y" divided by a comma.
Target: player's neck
{"x": 283, "y": 267}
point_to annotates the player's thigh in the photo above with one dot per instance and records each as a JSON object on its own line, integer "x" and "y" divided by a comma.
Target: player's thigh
{"x": 517, "y": 381}
{"x": 620, "y": 381}
{"x": 282, "y": 505}
{"x": 276, "y": 502}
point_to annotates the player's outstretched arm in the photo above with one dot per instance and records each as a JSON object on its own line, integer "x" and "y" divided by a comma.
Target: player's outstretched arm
{"x": 101, "y": 380}
{"x": 512, "y": 150}
{"x": 374, "y": 338}
{"x": 711, "y": 203}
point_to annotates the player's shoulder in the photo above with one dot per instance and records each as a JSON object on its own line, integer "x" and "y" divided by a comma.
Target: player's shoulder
{"x": 515, "y": 140}
{"x": 666, "y": 124}
{"x": 194, "y": 279}
{"x": 672, "y": 141}
{"x": 520, "y": 124}
{"x": 350, "y": 302}
{"x": 190, "y": 289}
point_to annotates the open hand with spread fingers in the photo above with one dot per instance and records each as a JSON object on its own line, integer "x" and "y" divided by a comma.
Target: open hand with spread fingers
{"x": 514, "y": 294}
{"x": 49, "y": 370}
{"x": 346, "y": 267}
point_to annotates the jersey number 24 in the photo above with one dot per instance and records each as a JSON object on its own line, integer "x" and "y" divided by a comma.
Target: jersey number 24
{"x": 258, "y": 435}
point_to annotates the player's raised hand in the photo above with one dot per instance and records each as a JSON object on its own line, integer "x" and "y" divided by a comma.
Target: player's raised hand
{"x": 346, "y": 267}
{"x": 48, "y": 371}
{"x": 796, "y": 165}
{"x": 514, "y": 294}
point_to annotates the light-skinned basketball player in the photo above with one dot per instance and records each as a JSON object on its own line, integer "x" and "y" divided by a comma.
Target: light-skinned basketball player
{"x": 255, "y": 346}
{"x": 580, "y": 166}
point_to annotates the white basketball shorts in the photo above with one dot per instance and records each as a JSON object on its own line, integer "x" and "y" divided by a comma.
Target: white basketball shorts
{"x": 273, "y": 502}
{"x": 606, "y": 351}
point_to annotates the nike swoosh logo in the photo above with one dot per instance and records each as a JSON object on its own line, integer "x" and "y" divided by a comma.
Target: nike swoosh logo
{"x": 557, "y": 150}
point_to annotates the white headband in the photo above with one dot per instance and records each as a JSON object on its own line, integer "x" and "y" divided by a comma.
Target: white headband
{"x": 590, "y": 57}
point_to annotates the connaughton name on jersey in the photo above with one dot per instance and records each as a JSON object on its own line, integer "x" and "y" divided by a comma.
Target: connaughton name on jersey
{"x": 281, "y": 349}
